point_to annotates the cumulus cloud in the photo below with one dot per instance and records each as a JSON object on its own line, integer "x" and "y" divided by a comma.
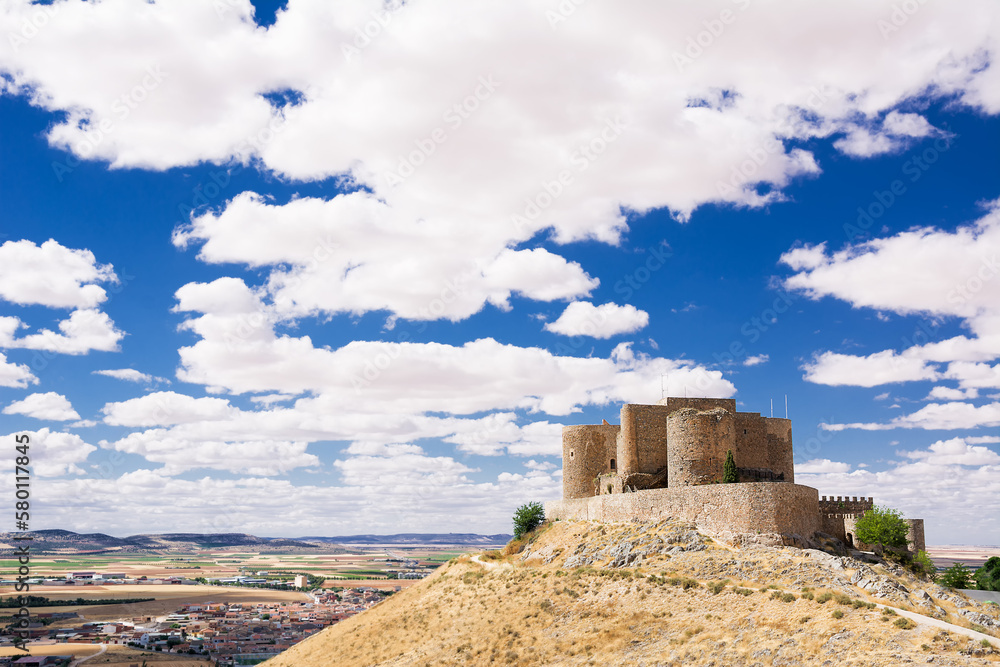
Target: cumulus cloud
{"x": 239, "y": 351}
{"x": 935, "y": 416}
{"x": 582, "y": 318}
{"x": 821, "y": 466}
{"x": 49, "y": 406}
{"x": 54, "y": 454}
{"x": 875, "y": 369}
{"x": 15, "y": 375}
{"x": 423, "y": 493}
{"x": 456, "y": 113}
{"x": 52, "y": 275}
{"x": 130, "y": 375}
{"x": 756, "y": 360}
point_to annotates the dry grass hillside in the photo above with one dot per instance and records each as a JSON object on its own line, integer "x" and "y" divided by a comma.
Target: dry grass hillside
{"x": 583, "y": 593}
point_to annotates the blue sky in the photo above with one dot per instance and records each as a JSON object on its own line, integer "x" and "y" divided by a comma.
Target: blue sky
{"x": 329, "y": 268}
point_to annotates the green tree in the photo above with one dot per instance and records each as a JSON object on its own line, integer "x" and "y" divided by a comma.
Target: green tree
{"x": 527, "y": 518}
{"x": 883, "y": 527}
{"x": 729, "y": 474}
{"x": 922, "y": 564}
{"x": 956, "y": 576}
{"x": 988, "y": 576}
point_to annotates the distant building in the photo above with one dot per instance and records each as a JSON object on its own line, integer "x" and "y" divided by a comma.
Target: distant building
{"x": 301, "y": 581}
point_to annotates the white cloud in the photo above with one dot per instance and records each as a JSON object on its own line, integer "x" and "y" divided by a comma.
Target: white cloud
{"x": 52, "y": 275}
{"x": 50, "y": 406}
{"x": 263, "y": 458}
{"x": 883, "y": 396}
{"x": 883, "y": 367}
{"x": 83, "y": 331}
{"x": 130, "y": 375}
{"x": 481, "y": 375}
{"x": 354, "y": 254}
{"x": 756, "y": 360}
{"x": 956, "y": 452}
{"x": 424, "y": 493}
{"x": 941, "y": 393}
{"x": 54, "y": 454}
{"x": 146, "y": 100}
{"x": 582, "y": 318}
{"x": 922, "y": 270}
{"x": 935, "y": 416}
{"x": 821, "y": 466}
{"x": 14, "y": 375}
{"x": 166, "y": 408}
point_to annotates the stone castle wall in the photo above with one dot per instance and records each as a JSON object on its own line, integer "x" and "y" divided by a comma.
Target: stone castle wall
{"x": 643, "y": 440}
{"x": 916, "y": 535}
{"x": 845, "y": 505}
{"x": 751, "y": 441}
{"x": 587, "y": 452}
{"x": 779, "y": 447}
{"x": 762, "y": 507}
{"x": 699, "y": 440}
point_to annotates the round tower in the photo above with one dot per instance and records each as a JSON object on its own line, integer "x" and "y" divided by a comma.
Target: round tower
{"x": 588, "y": 451}
{"x": 697, "y": 441}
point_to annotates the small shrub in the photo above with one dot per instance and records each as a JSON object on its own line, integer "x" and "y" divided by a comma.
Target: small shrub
{"x": 844, "y": 599}
{"x": 493, "y": 554}
{"x": 807, "y": 595}
{"x": 985, "y": 644}
{"x": 858, "y": 604}
{"x": 837, "y": 613}
{"x": 776, "y": 595}
{"x": 805, "y": 619}
{"x": 904, "y": 623}
{"x": 888, "y": 611}
{"x": 788, "y": 597}
{"x": 717, "y": 587}
{"x": 824, "y": 598}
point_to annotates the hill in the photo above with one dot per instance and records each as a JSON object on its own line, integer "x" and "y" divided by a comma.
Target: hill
{"x": 584, "y": 593}
{"x": 52, "y": 540}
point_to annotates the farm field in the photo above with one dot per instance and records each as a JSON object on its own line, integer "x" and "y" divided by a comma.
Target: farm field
{"x": 972, "y": 557}
{"x": 113, "y": 656}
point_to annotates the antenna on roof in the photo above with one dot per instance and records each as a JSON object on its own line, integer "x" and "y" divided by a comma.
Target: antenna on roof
{"x": 786, "y": 406}
{"x": 772, "y": 407}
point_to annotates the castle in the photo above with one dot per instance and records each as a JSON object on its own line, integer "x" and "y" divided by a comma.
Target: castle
{"x": 666, "y": 460}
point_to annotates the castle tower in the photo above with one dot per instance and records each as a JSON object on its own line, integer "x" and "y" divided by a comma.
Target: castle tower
{"x": 779, "y": 447}
{"x": 588, "y": 451}
{"x": 698, "y": 441}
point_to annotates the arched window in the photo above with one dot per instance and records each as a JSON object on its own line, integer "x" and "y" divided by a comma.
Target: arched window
{"x": 613, "y": 464}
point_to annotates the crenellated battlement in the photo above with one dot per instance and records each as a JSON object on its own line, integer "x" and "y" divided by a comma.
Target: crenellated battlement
{"x": 845, "y": 505}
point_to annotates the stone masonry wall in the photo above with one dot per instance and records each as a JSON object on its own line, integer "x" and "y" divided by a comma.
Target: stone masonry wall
{"x": 914, "y": 534}
{"x": 698, "y": 443}
{"x": 643, "y": 446}
{"x": 845, "y": 505}
{"x": 587, "y": 452}
{"x": 751, "y": 441}
{"x": 752, "y": 508}
{"x": 779, "y": 446}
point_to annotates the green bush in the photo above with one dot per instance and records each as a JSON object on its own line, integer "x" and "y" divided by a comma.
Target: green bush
{"x": 956, "y": 576}
{"x": 825, "y": 597}
{"x": 883, "y": 527}
{"x": 904, "y": 624}
{"x": 837, "y": 613}
{"x": 922, "y": 565}
{"x": 527, "y": 518}
{"x": 988, "y": 576}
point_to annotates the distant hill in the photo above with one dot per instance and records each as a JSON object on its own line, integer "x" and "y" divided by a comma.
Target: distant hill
{"x": 436, "y": 539}
{"x": 53, "y": 540}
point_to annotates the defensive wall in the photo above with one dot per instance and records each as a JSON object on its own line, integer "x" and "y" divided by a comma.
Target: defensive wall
{"x": 751, "y": 508}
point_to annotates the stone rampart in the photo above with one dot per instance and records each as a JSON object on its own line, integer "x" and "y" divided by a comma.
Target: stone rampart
{"x": 588, "y": 451}
{"x": 845, "y": 505}
{"x": 784, "y": 509}
{"x": 779, "y": 447}
{"x": 699, "y": 440}
{"x": 643, "y": 446}
{"x": 751, "y": 441}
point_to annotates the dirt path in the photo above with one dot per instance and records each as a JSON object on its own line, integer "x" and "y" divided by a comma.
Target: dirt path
{"x": 80, "y": 661}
